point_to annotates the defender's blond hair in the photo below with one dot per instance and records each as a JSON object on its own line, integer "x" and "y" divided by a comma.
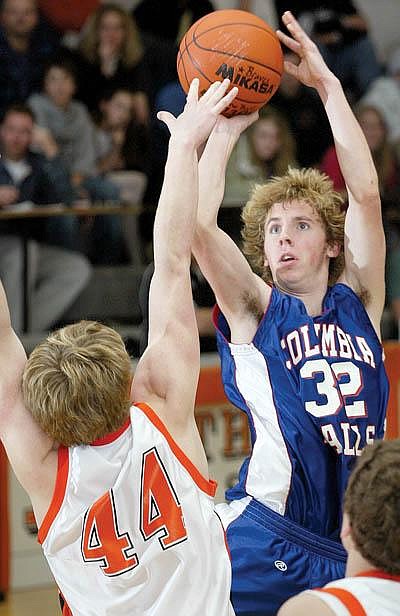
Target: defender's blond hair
{"x": 76, "y": 383}
{"x": 309, "y": 185}
{"x": 132, "y": 48}
{"x": 372, "y": 502}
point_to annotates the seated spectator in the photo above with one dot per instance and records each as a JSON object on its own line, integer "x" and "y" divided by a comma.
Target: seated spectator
{"x": 373, "y": 124}
{"x": 341, "y": 33}
{"x": 370, "y": 535}
{"x": 26, "y": 43}
{"x": 74, "y": 132}
{"x": 121, "y": 141}
{"x": 123, "y": 154}
{"x": 57, "y": 275}
{"x": 384, "y": 94}
{"x": 306, "y": 116}
{"x": 266, "y": 149}
{"x": 375, "y": 130}
{"x": 111, "y": 56}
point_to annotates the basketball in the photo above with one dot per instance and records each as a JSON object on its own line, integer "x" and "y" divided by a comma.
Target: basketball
{"x": 236, "y": 45}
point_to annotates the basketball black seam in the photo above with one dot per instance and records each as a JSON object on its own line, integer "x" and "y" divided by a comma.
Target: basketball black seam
{"x": 195, "y": 64}
{"x": 183, "y": 64}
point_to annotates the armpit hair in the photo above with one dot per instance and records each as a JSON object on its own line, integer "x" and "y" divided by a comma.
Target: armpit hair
{"x": 252, "y": 305}
{"x": 364, "y": 296}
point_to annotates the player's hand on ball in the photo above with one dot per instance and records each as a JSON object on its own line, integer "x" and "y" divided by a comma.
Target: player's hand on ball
{"x": 199, "y": 116}
{"x": 235, "y": 125}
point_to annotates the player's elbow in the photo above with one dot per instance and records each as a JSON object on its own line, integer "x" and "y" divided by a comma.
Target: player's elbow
{"x": 204, "y": 238}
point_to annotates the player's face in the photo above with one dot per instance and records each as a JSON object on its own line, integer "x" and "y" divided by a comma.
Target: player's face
{"x": 295, "y": 247}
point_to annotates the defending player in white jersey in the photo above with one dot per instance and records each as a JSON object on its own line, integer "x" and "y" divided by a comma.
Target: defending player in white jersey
{"x": 370, "y": 534}
{"x": 121, "y": 493}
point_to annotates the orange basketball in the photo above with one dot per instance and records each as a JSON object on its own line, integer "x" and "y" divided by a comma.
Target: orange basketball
{"x": 237, "y": 45}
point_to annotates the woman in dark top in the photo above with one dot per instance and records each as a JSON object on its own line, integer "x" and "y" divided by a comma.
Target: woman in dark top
{"x": 111, "y": 56}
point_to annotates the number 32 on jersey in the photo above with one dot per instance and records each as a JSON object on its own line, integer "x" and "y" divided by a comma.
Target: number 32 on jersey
{"x": 160, "y": 515}
{"x": 340, "y": 382}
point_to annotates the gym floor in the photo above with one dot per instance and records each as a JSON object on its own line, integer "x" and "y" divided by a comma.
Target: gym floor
{"x": 38, "y": 602}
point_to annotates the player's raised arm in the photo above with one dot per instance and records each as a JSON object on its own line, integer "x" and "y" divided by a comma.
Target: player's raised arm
{"x": 27, "y": 446}
{"x": 364, "y": 237}
{"x": 221, "y": 261}
{"x": 168, "y": 372}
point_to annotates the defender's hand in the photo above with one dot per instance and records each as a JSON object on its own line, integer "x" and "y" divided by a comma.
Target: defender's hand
{"x": 235, "y": 125}
{"x": 199, "y": 116}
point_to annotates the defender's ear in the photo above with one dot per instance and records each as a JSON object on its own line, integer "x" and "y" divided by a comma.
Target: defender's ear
{"x": 345, "y": 533}
{"x": 333, "y": 249}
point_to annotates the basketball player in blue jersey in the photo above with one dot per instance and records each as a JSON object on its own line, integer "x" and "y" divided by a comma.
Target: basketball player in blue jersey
{"x": 300, "y": 345}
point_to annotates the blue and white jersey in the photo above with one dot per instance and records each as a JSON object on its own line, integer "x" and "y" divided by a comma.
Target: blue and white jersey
{"x": 315, "y": 391}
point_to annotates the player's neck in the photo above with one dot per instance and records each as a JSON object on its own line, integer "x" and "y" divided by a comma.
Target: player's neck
{"x": 357, "y": 564}
{"x": 311, "y": 291}
{"x": 312, "y": 300}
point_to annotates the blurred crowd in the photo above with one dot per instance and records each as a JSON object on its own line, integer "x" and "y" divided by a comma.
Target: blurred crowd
{"x": 80, "y": 86}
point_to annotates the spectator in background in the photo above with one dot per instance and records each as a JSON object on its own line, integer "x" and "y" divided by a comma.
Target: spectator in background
{"x": 56, "y": 275}
{"x": 74, "y": 132}
{"x": 111, "y": 56}
{"x": 122, "y": 142}
{"x": 384, "y": 94}
{"x": 341, "y": 33}
{"x": 26, "y": 43}
{"x": 123, "y": 155}
{"x": 266, "y": 149}
{"x": 374, "y": 127}
{"x": 31, "y": 170}
{"x": 306, "y": 116}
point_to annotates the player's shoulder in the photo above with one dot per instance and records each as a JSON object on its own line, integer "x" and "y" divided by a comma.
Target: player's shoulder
{"x": 304, "y": 604}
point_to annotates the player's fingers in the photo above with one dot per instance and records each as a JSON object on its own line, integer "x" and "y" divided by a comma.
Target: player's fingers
{"x": 193, "y": 93}
{"x": 291, "y": 69}
{"x": 167, "y": 118}
{"x": 289, "y": 41}
{"x": 220, "y": 91}
{"x": 226, "y": 100}
{"x": 294, "y": 27}
{"x": 210, "y": 92}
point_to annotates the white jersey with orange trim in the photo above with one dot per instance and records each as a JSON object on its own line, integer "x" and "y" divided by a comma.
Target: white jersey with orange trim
{"x": 373, "y": 593}
{"x": 132, "y": 529}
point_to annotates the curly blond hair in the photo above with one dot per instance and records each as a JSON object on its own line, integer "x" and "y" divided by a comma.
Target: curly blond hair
{"x": 76, "y": 383}
{"x": 132, "y": 48}
{"x": 372, "y": 502}
{"x": 309, "y": 185}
